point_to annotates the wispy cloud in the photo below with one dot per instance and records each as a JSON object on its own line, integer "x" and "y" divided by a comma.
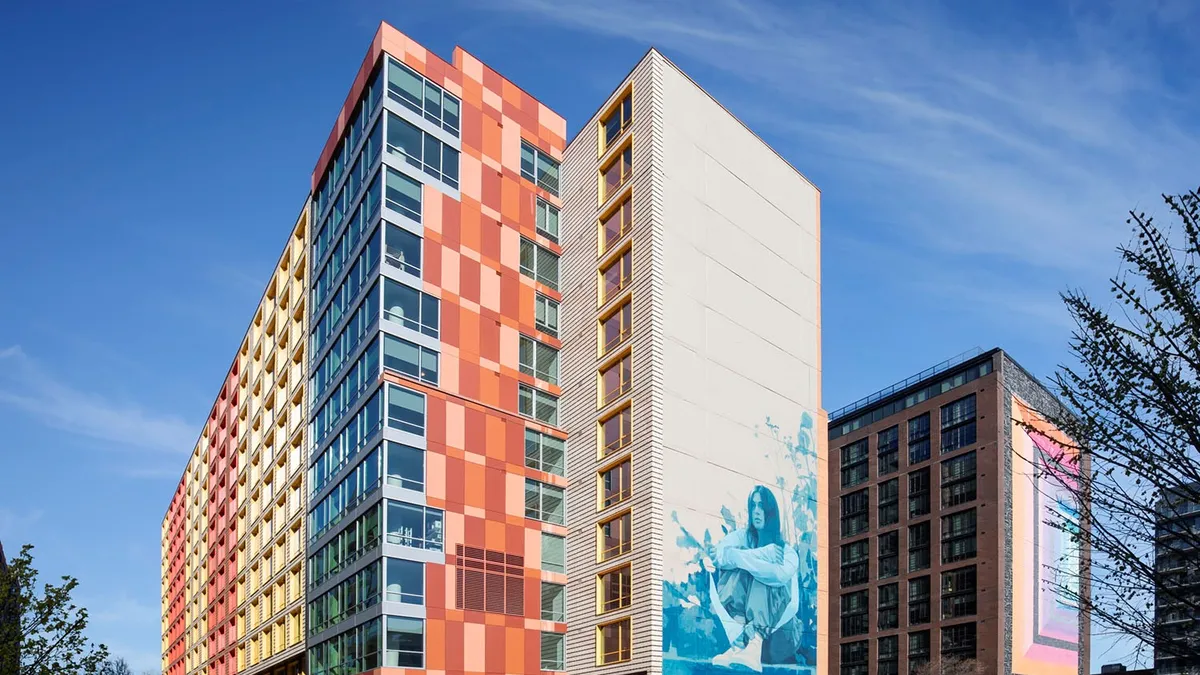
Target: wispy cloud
{"x": 27, "y": 386}
{"x": 14, "y": 524}
{"x": 1026, "y": 145}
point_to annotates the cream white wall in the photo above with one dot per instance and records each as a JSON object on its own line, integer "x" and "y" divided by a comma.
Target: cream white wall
{"x": 726, "y": 334}
{"x": 740, "y": 318}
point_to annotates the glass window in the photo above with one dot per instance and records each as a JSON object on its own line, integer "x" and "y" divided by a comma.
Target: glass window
{"x": 405, "y": 85}
{"x": 422, "y": 150}
{"x": 618, "y": 120}
{"x": 918, "y": 600}
{"x": 545, "y": 453}
{"x": 617, "y": 173}
{"x": 405, "y": 139}
{"x": 349, "y": 493}
{"x": 918, "y": 546}
{"x": 854, "y": 657}
{"x": 411, "y": 308}
{"x": 958, "y": 480}
{"x": 616, "y": 224}
{"x": 854, "y": 614}
{"x": 918, "y": 439}
{"x": 958, "y": 424}
{"x": 889, "y": 554}
{"x": 553, "y": 655}
{"x": 615, "y": 380}
{"x": 554, "y": 553}
{"x": 547, "y": 219}
{"x": 958, "y": 536}
{"x": 959, "y": 640}
{"x": 354, "y": 540}
{"x": 616, "y": 276}
{"x": 361, "y": 377}
{"x": 405, "y": 581}
{"x": 615, "y": 588}
{"x": 615, "y": 484}
{"x": 855, "y": 558}
{"x": 539, "y": 167}
{"x": 616, "y": 431}
{"x": 405, "y": 643}
{"x": 889, "y": 502}
{"x": 538, "y": 359}
{"x": 402, "y": 250}
{"x": 554, "y": 602}
{"x": 539, "y": 263}
{"x": 537, "y": 404}
{"x": 545, "y": 310}
{"x": 614, "y": 642}
{"x": 918, "y": 650}
{"x": 420, "y": 95}
{"x": 855, "y": 463}
{"x": 405, "y": 466}
{"x": 615, "y": 328}
{"x": 615, "y": 536}
{"x": 406, "y": 410}
{"x": 411, "y": 359}
{"x": 918, "y": 493}
{"x": 855, "y": 507}
{"x": 414, "y": 526}
{"x": 888, "y": 444}
{"x": 889, "y": 655}
{"x": 958, "y": 592}
{"x": 889, "y": 606}
{"x": 341, "y": 602}
{"x": 403, "y": 194}
{"x": 544, "y": 502}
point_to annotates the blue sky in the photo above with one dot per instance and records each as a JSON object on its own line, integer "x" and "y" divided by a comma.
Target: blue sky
{"x": 973, "y": 163}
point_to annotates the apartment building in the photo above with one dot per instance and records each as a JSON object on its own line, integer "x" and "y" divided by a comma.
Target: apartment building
{"x": 691, "y": 389}
{"x": 977, "y": 569}
{"x": 232, "y": 537}
{"x": 436, "y": 486}
{"x": 1177, "y": 582}
{"x": 382, "y": 483}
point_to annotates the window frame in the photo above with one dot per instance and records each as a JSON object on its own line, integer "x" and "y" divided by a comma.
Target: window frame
{"x": 538, "y": 462}
{"x": 540, "y": 512}
{"x": 536, "y": 396}
{"x": 542, "y": 205}
{"x": 623, "y": 311}
{"x": 625, "y": 591}
{"x": 622, "y": 110}
{"x": 624, "y": 541}
{"x": 621, "y": 495}
{"x": 534, "y": 272}
{"x": 538, "y": 350}
{"x": 624, "y": 417}
{"x": 624, "y": 650}
{"x": 623, "y": 361}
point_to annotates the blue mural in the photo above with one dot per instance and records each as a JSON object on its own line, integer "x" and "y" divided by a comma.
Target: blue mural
{"x": 749, "y": 600}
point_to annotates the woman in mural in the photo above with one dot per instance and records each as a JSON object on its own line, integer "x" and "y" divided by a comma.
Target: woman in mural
{"x": 753, "y": 587}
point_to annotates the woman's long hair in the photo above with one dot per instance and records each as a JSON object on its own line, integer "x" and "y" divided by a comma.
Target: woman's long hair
{"x": 769, "y": 534}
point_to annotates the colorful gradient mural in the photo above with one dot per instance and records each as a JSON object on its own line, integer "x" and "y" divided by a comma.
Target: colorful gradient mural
{"x": 740, "y": 589}
{"x": 1046, "y": 558}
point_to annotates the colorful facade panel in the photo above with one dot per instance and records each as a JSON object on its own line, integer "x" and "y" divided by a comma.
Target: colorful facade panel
{"x": 1046, "y": 557}
{"x": 255, "y": 426}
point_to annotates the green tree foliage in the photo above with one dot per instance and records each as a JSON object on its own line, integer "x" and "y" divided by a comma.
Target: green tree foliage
{"x": 1132, "y": 403}
{"x": 45, "y": 632}
{"x": 116, "y": 666}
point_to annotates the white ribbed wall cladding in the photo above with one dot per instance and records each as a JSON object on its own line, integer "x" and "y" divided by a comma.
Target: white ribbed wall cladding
{"x": 579, "y": 366}
{"x": 726, "y": 335}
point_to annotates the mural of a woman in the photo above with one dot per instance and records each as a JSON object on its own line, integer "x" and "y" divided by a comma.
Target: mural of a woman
{"x": 753, "y": 587}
